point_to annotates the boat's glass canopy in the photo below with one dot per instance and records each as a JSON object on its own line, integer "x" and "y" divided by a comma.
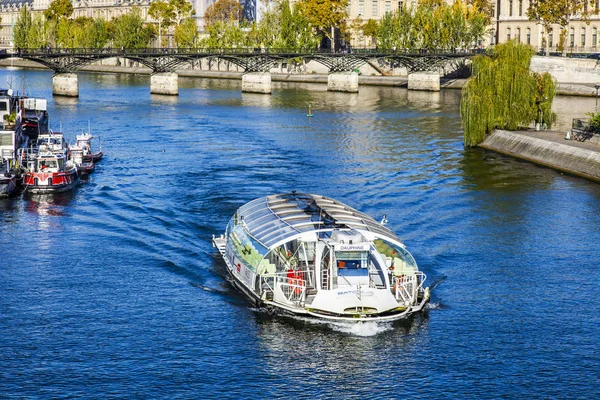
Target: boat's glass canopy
{"x": 275, "y": 219}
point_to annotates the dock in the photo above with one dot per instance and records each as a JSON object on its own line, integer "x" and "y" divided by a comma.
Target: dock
{"x": 550, "y": 149}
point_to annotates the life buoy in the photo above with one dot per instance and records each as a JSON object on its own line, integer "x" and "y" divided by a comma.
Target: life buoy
{"x": 296, "y": 280}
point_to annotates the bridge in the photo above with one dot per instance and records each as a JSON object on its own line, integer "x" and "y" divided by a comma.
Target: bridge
{"x": 422, "y": 66}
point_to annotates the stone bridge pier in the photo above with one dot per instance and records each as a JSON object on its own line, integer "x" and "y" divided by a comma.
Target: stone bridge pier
{"x": 65, "y": 84}
{"x": 424, "y": 81}
{"x": 342, "y": 82}
{"x": 256, "y": 82}
{"x": 164, "y": 83}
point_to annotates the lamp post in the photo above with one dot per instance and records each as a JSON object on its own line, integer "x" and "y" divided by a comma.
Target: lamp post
{"x": 597, "y": 85}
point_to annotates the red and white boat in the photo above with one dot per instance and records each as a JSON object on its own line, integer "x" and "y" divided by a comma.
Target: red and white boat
{"x": 84, "y": 141}
{"x": 51, "y": 173}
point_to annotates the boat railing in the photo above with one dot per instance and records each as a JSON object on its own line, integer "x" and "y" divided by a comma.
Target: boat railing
{"x": 408, "y": 287}
{"x": 293, "y": 287}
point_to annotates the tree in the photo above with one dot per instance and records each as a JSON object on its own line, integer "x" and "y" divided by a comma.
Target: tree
{"x": 325, "y": 15}
{"x": 57, "y": 12}
{"x": 186, "y": 33}
{"x": 560, "y": 12}
{"x": 295, "y": 33}
{"x": 59, "y": 9}
{"x": 503, "y": 93}
{"x": 130, "y": 31}
{"x": 89, "y": 32}
{"x": 162, "y": 12}
{"x": 223, "y": 11}
{"x": 183, "y": 9}
{"x": 370, "y": 29}
{"x": 29, "y": 31}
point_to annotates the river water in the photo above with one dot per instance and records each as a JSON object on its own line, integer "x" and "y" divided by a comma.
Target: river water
{"x": 115, "y": 291}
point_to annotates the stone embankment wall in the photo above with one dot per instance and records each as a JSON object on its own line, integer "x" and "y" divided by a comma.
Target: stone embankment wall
{"x": 575, "y": 76}
{"x": 581, "y": 159}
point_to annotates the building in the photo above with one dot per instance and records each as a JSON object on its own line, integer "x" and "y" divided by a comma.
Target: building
{"x": 511, "y": 22}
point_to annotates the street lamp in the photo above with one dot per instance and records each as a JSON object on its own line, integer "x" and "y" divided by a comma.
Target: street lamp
{"x": 597, "y": 85}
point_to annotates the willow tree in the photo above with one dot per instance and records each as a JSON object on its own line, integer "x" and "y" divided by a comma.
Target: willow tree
{"x": 503, "y": 93}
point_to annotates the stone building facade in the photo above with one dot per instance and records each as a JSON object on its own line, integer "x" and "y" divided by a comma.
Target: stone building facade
{"x": 511, "y": 22}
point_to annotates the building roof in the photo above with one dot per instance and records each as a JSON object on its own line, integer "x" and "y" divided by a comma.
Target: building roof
{"x": 279, "y": 218}
{"x": 17, "y": 3}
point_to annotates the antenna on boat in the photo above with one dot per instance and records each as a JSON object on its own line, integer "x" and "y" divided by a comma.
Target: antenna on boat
{"x": 384, "y": 220}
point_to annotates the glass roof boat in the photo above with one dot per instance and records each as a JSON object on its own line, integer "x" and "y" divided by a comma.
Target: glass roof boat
{"x": 313, "y": 256}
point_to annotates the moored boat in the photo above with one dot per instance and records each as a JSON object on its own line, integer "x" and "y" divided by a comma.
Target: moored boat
{"x": 84, "y": 141}
{"x": 310, "y": 255}
{"x": 50, "y": 173}
{"x": 84, "y": 167}
{"x": 8, "y": 184}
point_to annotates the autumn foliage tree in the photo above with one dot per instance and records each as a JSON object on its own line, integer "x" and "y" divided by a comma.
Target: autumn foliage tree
{"x": 557, "y": 12}
{"x": 325, "y": 15}
{"x": 223, "y": 11}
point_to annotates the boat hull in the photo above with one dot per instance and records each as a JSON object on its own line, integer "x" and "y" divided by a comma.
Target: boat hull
{"x": 93, "y": 157}
{"x": 40, "y": 183}
{"x": 8, "y": 186}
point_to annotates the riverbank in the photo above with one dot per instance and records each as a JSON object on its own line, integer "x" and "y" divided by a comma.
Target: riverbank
{"x": 548, "y": 148}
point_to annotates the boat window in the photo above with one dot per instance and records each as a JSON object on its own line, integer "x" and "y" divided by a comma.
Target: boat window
{"x": 392, "y": 251}
{"x": 3, "y": 106}
{"x": 48, "y": 164}
{"x": 352, "y": 263}
{"x": 246, "y": 247}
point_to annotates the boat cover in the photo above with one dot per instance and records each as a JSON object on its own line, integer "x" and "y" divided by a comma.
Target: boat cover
{"x": 279, "y": 218}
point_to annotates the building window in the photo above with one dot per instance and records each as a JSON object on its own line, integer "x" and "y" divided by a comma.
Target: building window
{"x": 582, "y": 37}
{"x": 572, "y": 38}
{"x": 401, "y": 4}
{"x": 388, "y": 6}
{"x": 518, "y": 36}
{"x": 551, "y": 38}
{"x": 594, "y": 37}
{"x": 492, "y": 36}
{"x": 374, "y": 8}
{"x": 528, "y": 35}
{"x": 520, "y": 8}
{"x": 510, "y": 8}
{"x": 361, "y": 7}
{"x": 508, "y": 34}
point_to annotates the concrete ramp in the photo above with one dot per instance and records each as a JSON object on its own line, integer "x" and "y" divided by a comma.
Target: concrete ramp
{"x": 567, "y": 157}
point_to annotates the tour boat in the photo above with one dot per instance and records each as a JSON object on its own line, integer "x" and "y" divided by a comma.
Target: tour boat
{"x": 84, "y": 141}
{"x": 310, "y": 255}
{"x": 50, "y": 173}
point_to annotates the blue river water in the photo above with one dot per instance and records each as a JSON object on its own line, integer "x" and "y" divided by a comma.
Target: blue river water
{"x": 114, "y": 291}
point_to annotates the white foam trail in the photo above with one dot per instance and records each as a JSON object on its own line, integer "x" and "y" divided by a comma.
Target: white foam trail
{"x": 363, "y": 329}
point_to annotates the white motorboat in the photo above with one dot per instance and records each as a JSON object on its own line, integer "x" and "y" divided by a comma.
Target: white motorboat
{"x": 313, "y": 256}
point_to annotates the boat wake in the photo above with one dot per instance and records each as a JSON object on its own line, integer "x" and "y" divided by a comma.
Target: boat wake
{"x": 363, "y": 329}
{"x": 434, "y": 306}
{"x": 209, "y": 289}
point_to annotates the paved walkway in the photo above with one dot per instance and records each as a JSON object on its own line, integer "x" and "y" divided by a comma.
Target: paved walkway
{"x": 559, "y": 137}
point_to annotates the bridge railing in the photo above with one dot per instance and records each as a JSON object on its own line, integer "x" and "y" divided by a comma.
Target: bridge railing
{"x": 108, "y": 51}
